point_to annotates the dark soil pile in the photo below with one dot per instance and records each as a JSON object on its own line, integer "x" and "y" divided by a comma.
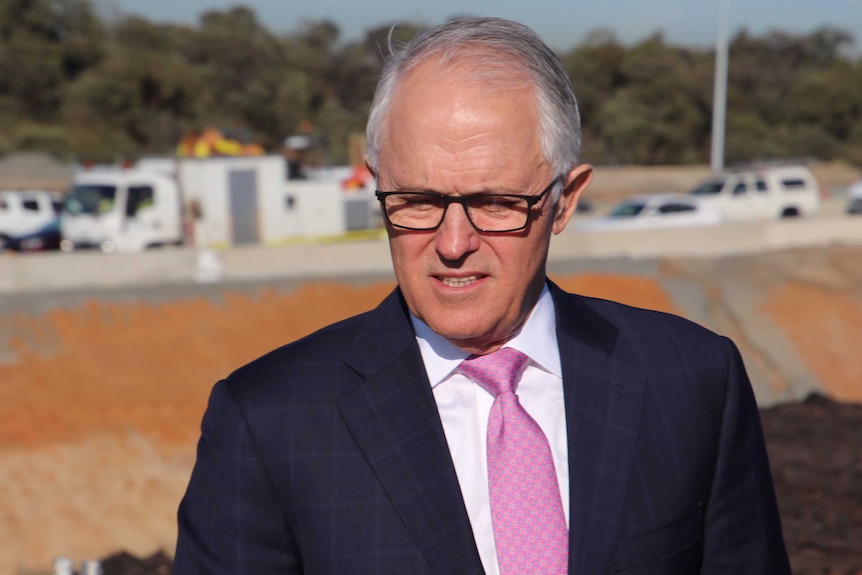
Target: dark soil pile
{"x": 815, "y": 449}
{"x": 127, "y": 564}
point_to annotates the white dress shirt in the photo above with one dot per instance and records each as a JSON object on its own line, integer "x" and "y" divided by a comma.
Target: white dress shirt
{"x": 464, "y": 408}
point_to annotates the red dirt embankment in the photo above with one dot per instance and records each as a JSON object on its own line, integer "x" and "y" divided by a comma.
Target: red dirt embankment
{"x": 100, "y": 403}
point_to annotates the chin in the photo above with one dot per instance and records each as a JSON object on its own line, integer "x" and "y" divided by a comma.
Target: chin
{"x": 467, "y": 337}
{"x": 454, "y": 332}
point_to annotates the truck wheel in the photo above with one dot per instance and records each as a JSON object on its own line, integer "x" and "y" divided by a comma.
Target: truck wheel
{"x": 790, "y": 213}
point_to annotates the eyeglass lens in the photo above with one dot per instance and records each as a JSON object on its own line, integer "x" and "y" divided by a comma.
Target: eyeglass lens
{"x": 486, "y": 211}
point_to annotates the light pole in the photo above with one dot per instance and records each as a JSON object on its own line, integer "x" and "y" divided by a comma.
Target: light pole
{"x": 719, "y": 92}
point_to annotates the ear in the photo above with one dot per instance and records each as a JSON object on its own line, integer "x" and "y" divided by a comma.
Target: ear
{"x": 370, "y": 169}
{"x": 576, "y": 182}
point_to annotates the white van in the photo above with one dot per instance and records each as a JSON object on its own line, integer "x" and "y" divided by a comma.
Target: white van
{"x": 25, "y": 211}
{"x": 762, "y": 193}
{"x": 121, "y": 210}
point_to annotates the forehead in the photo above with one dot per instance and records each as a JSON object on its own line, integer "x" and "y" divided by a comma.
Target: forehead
{"x": 471, "y": 73}
{"x": 486, "y": 65}
{"x": 460, "y": 116}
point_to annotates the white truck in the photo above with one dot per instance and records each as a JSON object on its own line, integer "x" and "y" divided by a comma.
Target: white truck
{"x": 208, "y": 203}
{"x": 247, "y": 200}
{"x": 121, "y": 210}
{"x": 762, "y": 193}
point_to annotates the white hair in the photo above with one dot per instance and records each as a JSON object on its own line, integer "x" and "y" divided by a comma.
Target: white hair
{"x": 499, "y": 52}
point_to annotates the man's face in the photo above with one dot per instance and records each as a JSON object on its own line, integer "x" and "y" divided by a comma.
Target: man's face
{"x": 447, "y": 133}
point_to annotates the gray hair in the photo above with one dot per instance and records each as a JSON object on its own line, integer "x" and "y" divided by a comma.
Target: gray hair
{"x": 501, "y": 50}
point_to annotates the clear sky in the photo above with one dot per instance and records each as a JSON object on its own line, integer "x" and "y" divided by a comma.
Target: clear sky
{"x": 561, "y": 23}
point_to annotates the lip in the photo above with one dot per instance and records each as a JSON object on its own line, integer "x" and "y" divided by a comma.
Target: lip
{"x": 459, "y": 281}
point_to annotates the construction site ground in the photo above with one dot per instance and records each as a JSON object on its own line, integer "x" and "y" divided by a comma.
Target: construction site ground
{"x": 101, "y": 393}
{"x": 102, "y": 390}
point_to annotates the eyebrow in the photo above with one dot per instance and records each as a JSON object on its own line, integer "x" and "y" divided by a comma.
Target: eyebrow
{"x": 492, "y": 191}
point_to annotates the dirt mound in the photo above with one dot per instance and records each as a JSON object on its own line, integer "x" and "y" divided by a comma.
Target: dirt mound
{"x": 815, "y": 449}
{"x": 124, "y": 563}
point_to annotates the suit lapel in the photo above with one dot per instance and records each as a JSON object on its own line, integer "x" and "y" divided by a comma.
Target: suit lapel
{"x": 603, "y": 401}
{"x": 393, "y": 418}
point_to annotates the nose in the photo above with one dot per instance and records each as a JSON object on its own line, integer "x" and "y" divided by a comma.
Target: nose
{"x": 456, "y": 237}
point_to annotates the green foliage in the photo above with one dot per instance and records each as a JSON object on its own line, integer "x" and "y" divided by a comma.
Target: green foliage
{"x": 651, "y": 105}
{"x": 53, "y": 140}
{"x": 45, "y": 44}
{"x": 75, "y": 86}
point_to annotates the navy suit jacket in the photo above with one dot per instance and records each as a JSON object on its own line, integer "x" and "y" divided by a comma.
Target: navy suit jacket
{"x": 327, "y": 456}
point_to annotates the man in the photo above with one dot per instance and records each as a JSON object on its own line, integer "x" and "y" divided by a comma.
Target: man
{"x": 384, "y": 443}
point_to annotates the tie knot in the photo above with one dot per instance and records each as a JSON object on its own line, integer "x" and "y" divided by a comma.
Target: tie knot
{"x": 498, "y": 372}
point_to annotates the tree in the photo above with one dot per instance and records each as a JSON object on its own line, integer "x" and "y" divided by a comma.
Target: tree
{"x": 71, "y": 84}
{"x": 657, "y": 105}
{"x": 43, "y": 45}
{"x": 798, "y": 90}
{"x": 234, "y": 52}
{"x": 139, "y": 99}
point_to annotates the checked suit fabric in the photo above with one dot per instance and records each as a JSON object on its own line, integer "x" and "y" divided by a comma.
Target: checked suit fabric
{"x": 527, "y": 516}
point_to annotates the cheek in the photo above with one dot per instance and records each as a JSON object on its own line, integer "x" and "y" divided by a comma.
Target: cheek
{"x": 522, "y": 264}
{"x": 518, "y": 257}
{"x": 407, "y": 251}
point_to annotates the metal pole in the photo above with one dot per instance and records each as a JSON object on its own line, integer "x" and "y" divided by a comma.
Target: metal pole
{"x": 719, "y": 98}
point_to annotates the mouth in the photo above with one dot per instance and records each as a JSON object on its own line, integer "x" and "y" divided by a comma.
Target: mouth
{"x": 457, "y": 282}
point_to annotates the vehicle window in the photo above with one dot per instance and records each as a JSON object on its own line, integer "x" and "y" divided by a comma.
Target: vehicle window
{"x": 761, "y": 184}
{"x": 139, "y": 197}
{"x": 792, "y": 184}
{"x": 709, "y": 188}
{"x": 57, "y": 205}
{"x": 3, "y": 206}
{"x": 627, "y": 210}
{"x": 740, "y": 189}
{"x": 676, "y": 208}
{"x": 91, "y": 199}
{"x": 30, "y": 205}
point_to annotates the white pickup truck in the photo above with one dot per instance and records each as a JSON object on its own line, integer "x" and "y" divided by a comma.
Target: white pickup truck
{"x": 25, "y": 211}
{"x": 762, "y": 193}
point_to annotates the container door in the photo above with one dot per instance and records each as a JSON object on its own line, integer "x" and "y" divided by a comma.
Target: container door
{"x": 242, "y": 189}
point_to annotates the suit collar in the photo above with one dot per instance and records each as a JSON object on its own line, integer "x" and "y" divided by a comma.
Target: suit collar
{"x": 384, "y": 334}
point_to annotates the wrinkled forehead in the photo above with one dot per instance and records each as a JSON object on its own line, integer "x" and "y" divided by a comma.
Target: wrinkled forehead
{"x": 440, "y": 92}
{"x": 448, "y": 128}
{"x": 450, "y": 96}
{"x": 472, "y": 66}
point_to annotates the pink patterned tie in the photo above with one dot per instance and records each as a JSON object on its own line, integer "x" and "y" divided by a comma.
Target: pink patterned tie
{"x": 530, "y": 530}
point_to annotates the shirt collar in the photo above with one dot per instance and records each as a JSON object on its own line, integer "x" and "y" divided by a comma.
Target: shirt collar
{"x": 537, "y": 338}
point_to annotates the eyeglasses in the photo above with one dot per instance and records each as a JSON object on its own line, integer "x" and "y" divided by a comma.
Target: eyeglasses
{"x": 493, "y": 213}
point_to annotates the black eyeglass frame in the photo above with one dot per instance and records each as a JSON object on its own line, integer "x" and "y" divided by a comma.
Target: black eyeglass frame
{"x": 448, "y": 200}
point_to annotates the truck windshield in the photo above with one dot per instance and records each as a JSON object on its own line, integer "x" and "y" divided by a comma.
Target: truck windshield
{"x": 91, "y": 199}
{"x": 708, "y": 188}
